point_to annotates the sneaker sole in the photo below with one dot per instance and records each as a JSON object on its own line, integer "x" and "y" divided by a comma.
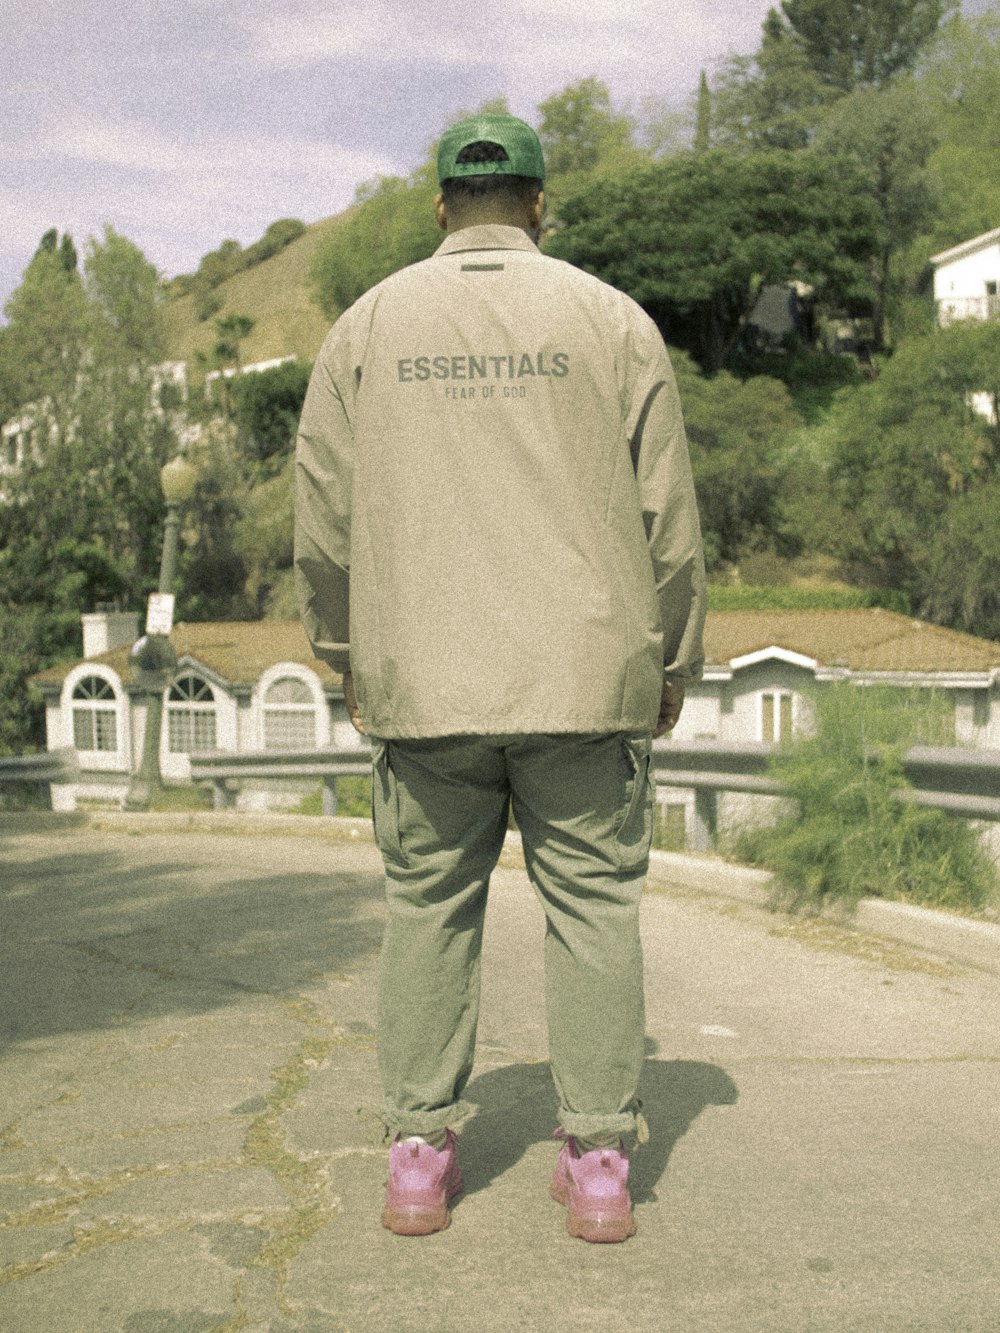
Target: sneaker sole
{"x": 415, "y": 1222}
{"x": 600, "y": 1228}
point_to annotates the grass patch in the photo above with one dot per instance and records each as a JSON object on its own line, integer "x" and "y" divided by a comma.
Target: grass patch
{"x": 354, "y": 799}
{"x": 852, "y": 835}
{"x": 181, "y": 800}
{"x": 16, "y": 797}
{"x": 794, "y": 597}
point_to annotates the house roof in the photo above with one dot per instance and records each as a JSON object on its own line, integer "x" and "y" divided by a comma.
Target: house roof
{"x": 862, "y": 640}
{"x": 968, "y": 247}
{"x": 238, "y": 652}
{"x": 871, "y": 640}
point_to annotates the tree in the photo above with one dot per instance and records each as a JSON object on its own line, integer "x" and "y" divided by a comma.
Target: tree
{"x": 83, "y": 520}
{"x": 812, "y": 53}
{"x": 232, "y": 330}
{"x": 739, "y": 434}
{"x": 212, "y": 570}
{"x": 578, "y": 127}
{"x": 695, "y": 238}
{"x": 266, "y": 408}
{"x": 913, "y": 473}
{"x": 959, "y": 82}
{"x": 46, "y": 340}
{"x": 860, "y": 43}
{"x": 889, "y": 134}
{"x": 703, "y": 116}
{"x": 391, "y": 225}
{"x": 773, "y": 99}
{"x": 263, "y": 540}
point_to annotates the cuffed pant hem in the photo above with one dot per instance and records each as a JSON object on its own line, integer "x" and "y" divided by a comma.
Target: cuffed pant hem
{"x": 405, "y": 1123}
{"x": 590, "y": 1126}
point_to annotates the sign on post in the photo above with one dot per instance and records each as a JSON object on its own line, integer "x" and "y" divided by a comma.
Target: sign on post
{"x": 160, "y": 613}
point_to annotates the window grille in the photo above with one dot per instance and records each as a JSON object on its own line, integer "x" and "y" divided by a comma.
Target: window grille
{"x": 95, "y": 715}
{"x": 289, "y": 716}
{"x": 190, "y": 716}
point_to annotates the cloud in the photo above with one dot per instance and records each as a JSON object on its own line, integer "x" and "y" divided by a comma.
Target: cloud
{"x": 174, "y": 199}
{"x": 374, "y": 34}
{"x": 133, "y": 145}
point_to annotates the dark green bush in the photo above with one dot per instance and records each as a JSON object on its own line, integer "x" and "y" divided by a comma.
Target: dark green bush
{"x": 855, "y": 833}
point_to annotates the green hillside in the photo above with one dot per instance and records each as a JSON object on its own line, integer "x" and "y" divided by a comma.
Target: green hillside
{"x": 276, "y": 294}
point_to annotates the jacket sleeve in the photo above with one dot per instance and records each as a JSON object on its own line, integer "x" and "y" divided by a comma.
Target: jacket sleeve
{"x": 324, "y": 463}
{"x": 662, "y": 466}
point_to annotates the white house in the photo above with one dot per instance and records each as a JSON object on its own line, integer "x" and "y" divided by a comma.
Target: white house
{"x": 241, "y": 687}
{"x": 256, "y": 686}
{"x": 966, "y": 279}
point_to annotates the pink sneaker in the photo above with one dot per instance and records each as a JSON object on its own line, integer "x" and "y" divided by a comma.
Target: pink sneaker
{"x": 422, "y": 1182}
{"x": 593, "y": 1188}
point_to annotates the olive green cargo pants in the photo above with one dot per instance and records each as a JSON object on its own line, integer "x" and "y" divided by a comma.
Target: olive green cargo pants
{"x": 584, "y": 807}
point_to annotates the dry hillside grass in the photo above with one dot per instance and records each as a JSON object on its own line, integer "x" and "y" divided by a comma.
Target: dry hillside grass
{"x": 277, "y": 294}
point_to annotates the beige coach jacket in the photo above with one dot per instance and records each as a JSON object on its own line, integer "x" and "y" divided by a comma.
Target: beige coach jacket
{"x": 495, "y": 518}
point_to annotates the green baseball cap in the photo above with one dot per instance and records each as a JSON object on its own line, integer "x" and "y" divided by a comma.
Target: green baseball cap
{"x": 516, "y": 137}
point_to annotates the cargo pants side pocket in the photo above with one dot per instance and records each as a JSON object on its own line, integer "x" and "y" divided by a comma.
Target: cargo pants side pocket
{"x": 385, "y": 805}
{"x": 634, "y": 833}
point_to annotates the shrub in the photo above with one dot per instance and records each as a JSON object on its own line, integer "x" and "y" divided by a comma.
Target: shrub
{"x": 854, "y": 835}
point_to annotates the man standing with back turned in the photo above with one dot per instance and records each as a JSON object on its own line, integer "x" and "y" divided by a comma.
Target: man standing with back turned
{"x": 497, "y": 544}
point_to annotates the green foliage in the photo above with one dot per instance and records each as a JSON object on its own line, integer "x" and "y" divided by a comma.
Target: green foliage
{"x": 266, "y": 408}
{"x": 812, "y": 379}
{"x": 81, "y": 354}
{"x": 889, "y": 135}
{"x": 46, "y": 340}
{"x": 212, "y": 570}
{"x": 851, "y": 45}
{"x": 852, "y": 836}
{"x": 22, "y": 725}
{"x": 773, "y": 99}
{"x": 578, "y": 127}
{"x": 230, "y": 258}
{"x": 263, "y": 540}
{"x": 738, "y": 432}
{"x": 391, "y": 225}
{"x": 85, "y": 511}
{"x": 231, "y": 330}
{"x": 278, "y": 235}
{"x": 207, "y": 304}
{"x": 694, "y": 239}
{"x": 703, "y": 116}
{"x": 913, "y": 476}
{"x": 354, "y": 799}
{"x": 792, "y": 597}
{"x": 959, "y": 79}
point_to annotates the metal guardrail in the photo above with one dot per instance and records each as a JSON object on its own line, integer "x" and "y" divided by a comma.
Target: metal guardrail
{"x": 963, "y": 782}
{"x": 225, "y": 771}
{"x": 46, "y": 767}
{"x": 42, "y": 769}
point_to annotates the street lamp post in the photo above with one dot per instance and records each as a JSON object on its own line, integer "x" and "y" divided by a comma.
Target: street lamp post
{"x": 152, "y": 657}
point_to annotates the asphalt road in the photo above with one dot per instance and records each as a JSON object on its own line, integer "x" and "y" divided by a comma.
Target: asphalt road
{"x": 189, "y": 1133}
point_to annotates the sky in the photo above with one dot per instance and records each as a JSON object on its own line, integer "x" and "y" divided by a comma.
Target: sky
{"x": 184, "y": 122}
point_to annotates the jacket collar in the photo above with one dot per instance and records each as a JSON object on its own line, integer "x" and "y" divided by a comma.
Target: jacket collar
{"x": 490, "y": 237}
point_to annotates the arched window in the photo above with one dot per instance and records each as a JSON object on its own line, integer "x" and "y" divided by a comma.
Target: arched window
{"x": 289, "y": 715}
{"x": 95, "y": 715}
{"x": 190, "y": 715}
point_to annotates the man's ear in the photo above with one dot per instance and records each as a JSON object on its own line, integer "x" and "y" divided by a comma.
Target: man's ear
{"x": 536, "y": 213}
{"x": 441, "y": 211}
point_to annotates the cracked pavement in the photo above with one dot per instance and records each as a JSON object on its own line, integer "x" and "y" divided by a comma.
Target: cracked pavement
{"x": 189, "y": 1112}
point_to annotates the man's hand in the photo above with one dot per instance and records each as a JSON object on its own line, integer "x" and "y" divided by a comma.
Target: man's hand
{"x": 671, "y": 703}
{"x": 351, "y": 701}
